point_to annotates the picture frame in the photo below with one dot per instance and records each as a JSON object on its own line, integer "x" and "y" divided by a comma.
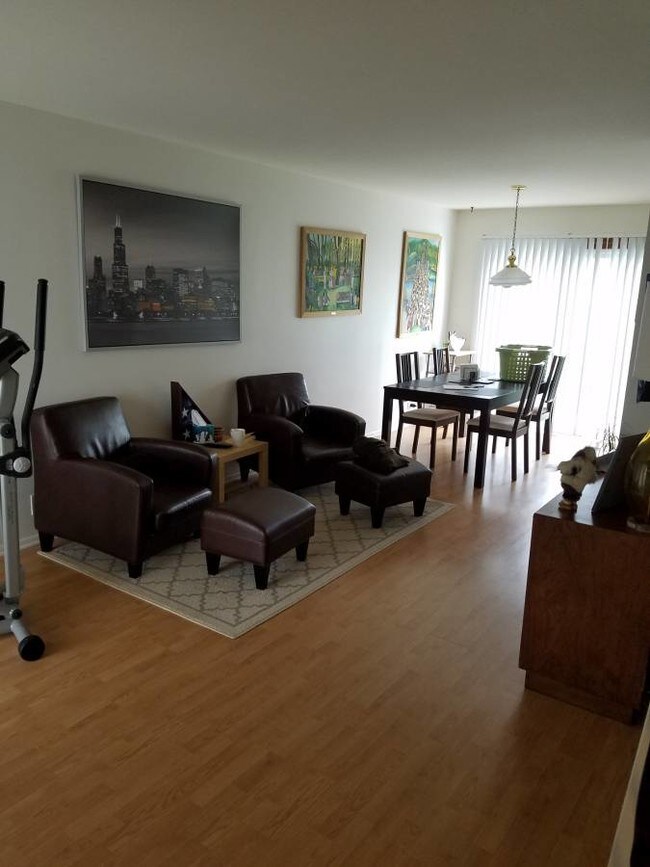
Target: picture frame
{"x": 419, "y": 275}
{"x": 157, "y": 268}
{"x": 331, "y": 272}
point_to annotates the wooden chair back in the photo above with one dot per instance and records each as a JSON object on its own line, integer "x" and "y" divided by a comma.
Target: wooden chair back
{"x": 408, "y": 366}
{"x": 529, "y": 394}
{"x": 553, "y": 381}
{"x": 440, "y": 358}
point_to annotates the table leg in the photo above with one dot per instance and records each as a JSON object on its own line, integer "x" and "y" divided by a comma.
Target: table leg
{"x": 263, "y": 467}
{"x": 481, "y": 448}
{"x": 221, "y": 481}
{"x": 387, "y": 417}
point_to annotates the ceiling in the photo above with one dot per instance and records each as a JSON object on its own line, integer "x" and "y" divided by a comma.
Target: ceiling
{"x": 453, "y": 101}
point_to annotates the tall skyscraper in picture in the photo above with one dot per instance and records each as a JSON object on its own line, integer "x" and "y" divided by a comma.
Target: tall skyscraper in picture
{"x": 120, "y": 270}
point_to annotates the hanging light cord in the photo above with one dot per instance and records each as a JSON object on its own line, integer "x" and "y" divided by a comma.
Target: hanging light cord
{"x": 514, "y": 228}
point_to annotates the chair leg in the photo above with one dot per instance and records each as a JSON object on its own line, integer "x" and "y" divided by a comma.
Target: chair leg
{"x": 546, "y": 442}
{"x": 526, "y": 444}
{"x": 46, "y": 541}
{"x": 418, "y": 506}
{"x": 454, "y": 442}
{"x": 301, "y": 551}
{"x": 494, "y": 445}
{"x": 398, "y": 441}
{"x": 416, "y": 437}
{"x": 135, "y": 569}
{"x": 377, "y": 516}
{"x": 513, "y": 459}
{"x": 432, "y": 452}
{"x": 468, "y": 447}
{"x": 212, "y": 562}
{"x": 344, "y": 504}
{"x": 262, "y": 576}
{"x": 538, "y": 438}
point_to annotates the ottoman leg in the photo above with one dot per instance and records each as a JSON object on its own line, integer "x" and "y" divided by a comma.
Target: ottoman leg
{"x": 377, "y": 516}
{"x": 261, "y": 576}
{"x": 301, "y": 551}
{"x": 418, "y": 506}
{"x": 344, "y": 504}
{"x": 212, "y": 562}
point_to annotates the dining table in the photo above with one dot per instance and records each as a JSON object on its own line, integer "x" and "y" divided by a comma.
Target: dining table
{"x": 445, "y": 390}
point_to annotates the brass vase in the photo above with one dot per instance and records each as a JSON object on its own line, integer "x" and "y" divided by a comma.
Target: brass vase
{"x": 637, "y": 487}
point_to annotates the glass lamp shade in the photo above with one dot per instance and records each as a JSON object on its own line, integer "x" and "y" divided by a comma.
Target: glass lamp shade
{"x": 511, "y": 275}
{"x": 637, "y": 487}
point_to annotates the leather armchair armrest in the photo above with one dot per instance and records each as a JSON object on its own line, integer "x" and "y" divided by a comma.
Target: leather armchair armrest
{"x": 281, "y": 434}
{"x": 192, "y": 462}
{"x": 81, "y": 498}
{"x": 332, "y": 423}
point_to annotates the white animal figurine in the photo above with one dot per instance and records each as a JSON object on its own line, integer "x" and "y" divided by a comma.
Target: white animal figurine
{"x": 456, "y": 342}
{"x": 580, "y": 471}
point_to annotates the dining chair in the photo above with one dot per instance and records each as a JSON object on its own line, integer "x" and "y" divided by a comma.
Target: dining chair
{"x": 441, "y": 363}
{"x": 511, "y": 428}
{"x": 543, "y": 410}
{"x": 408, "y": 368}
{"x": 438, "y": 361}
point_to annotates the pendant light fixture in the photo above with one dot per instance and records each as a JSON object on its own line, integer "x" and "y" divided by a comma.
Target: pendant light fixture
{"x": 512, "y": 275}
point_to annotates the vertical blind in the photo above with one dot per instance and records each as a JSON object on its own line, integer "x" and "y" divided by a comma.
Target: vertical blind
{"x": 581, "y": 302}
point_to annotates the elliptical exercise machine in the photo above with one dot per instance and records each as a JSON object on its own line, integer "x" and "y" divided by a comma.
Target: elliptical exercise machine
{"x": 16, "y": 463}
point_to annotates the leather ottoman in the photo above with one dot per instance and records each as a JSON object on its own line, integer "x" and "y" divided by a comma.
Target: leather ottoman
{"x": 257, "y": 526}
{"x": 354, "y": 482}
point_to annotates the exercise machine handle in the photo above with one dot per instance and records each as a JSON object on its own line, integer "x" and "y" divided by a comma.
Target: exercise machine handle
{"x": 39, "y": 352}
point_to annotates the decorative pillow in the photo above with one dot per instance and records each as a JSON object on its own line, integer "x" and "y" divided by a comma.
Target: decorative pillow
{"x": 376, "y": 455}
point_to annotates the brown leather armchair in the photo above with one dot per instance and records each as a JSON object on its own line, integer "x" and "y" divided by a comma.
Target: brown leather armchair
{"x": 306, "y": 441}
{"x": 96, "y": 484}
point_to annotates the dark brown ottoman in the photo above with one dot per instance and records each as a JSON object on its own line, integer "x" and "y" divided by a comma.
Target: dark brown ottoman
{"x": 353, "y": 482}
{"x": 257, "y": 526}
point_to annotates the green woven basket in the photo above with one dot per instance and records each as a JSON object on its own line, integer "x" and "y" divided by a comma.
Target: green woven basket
{"x": 516, "y": 358}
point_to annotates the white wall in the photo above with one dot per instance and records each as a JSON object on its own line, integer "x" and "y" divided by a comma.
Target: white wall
{"x": 473, "y": 228}
{"x": 346, "y": 359}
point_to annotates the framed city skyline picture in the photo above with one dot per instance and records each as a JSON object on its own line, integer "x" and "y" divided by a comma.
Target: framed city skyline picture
{"x": 417, "y": 291}
{"x": 331, "y": 271}
{"x": 157, "y": 268}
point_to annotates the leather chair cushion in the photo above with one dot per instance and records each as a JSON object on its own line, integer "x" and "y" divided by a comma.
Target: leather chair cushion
{"x": 377, "y": 490}
{"x": 316, "y": 450}
{"x": 258, "y": 526}
{"x": 171, "y": 502}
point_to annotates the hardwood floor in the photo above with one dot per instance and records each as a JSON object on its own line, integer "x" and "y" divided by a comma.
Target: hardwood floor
{"x": 382, "y": 721}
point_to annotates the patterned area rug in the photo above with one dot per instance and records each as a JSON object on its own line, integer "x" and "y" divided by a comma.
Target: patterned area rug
{"x": 229, "y": 603}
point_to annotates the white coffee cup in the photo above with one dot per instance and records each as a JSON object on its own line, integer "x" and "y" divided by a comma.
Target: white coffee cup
{"x": 237, "y": 435}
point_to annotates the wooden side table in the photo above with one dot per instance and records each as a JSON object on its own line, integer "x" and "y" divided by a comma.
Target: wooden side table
{"x": 250, "y": 446}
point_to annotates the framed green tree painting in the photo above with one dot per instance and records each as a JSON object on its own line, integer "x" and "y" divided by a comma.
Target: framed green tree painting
{"x": 417, "y": 292}
{"x": 331, "y": 271}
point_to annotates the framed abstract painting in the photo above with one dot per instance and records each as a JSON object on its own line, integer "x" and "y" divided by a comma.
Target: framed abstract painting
{"x": 331, "y": 271}
{"x": 417, "y": 293}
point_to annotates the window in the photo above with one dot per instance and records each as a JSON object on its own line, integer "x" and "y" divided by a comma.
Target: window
{"x": 581, "y": 302}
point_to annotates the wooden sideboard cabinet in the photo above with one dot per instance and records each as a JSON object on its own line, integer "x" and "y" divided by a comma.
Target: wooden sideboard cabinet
{"x": 586, "y": 627}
